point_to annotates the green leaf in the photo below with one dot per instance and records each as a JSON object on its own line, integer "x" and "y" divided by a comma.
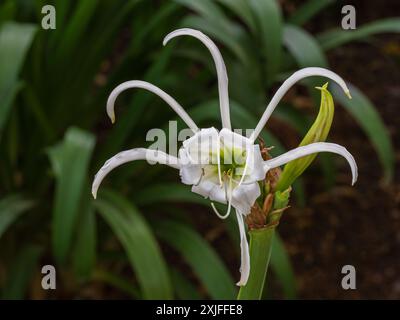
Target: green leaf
{"x": 84, "y": 254}
{"x": 364, "y": 112}
{"x": 62, "y": 9}
{"x": 337, "y": 37}
{"x": 231, "y": 35}
{"x": 144, "y": 32}
{"x": 124, "y": 125}
{"x": 20, "y": 272}
{"x": 200, "y": 256}
{"x": 11, "y": 207}
{"x": 168, "y": 192}
{"x": 184, "y": 289}
{"x": 15, "y": 40}
{"x": 75, "y": 29}
{"x": 303, "y": 47}
{"x": 269, "y": 21}
{"x": 139, "y": 243}
{"x": 308, "y": 10}
{"x": 282, "y": 267}
{"x": 70, "y": 161}
{"x": 7, "y": 11}
{"x": 242, "y": 9}
{"x": 293, "y": 117}
{"x": 117, "y": 282}
{"x": 205, "y": 8}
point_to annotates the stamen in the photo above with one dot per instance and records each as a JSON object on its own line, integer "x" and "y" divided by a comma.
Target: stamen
{"x": 219, "y": 161}
{"x": 228, "y": 211}
{"x": 244, "y": 171}
{"x": 226, "y": 215}
{"x": 201, "y": 177}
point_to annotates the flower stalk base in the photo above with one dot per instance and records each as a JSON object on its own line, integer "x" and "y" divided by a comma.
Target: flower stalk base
{"x": 260, "y": 253}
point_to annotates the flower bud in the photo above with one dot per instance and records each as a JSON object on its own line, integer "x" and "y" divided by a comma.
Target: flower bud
{"x": 317, "y": 133}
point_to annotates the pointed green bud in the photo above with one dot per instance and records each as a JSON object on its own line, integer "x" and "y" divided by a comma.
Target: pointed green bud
{"x": 318, "y": 133}
{"x": 281, "y": 200}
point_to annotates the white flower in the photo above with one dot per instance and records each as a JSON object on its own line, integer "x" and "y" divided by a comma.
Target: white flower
{"x": 222, "y": 165}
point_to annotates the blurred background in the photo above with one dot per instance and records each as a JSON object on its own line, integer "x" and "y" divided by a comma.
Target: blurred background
{"x": 147, "y": 236}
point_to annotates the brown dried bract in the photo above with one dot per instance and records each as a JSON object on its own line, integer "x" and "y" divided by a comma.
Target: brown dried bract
{"x": 259, "y": 217}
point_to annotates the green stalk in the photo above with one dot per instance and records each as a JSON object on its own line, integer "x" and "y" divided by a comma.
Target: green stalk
{"x": 260, "y": 253}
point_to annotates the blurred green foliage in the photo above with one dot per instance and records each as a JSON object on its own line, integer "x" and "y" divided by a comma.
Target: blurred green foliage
{"x": 54, "y": 135}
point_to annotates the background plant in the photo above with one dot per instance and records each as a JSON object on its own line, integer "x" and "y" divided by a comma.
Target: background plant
{"x": 54, "y": 135}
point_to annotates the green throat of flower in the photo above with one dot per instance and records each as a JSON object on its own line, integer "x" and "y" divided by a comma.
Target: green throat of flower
{"x": 231, "y": 164}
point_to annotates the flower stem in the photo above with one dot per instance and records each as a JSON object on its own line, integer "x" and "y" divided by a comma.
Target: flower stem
{"x": 260, "y": 252}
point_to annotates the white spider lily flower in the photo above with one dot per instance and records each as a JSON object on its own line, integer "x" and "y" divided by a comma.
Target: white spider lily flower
{"x": 222, "y": 166}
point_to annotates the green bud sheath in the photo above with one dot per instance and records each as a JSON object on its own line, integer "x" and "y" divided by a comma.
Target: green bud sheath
{"x": 318, "y": 133}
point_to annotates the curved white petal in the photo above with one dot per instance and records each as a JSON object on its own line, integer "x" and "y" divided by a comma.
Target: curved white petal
{"x": 244, "y": 197}
{"x": 310, "y": 149}
{"x": 232, "y": 139}
{"x": 132, "y": 155}
{"x": 219, "y": 64}
{"x": 254, "y": 167}
{"x": 152, "y": 88}
{"x": 244, "y": 252}
{"x": 295, "y": 77}
{"x": 190, "y": 173}
{"x": 202, "y": 147}
{"x": 211, "y": 189}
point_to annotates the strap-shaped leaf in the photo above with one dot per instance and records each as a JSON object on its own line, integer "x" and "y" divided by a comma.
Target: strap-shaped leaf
{"x": 84, "y": 253}
{"x": 308, "y": 10}
{"x": 205, "y": 8}
{"x": 184, "y": 289}
{"x": 117, "y": 282}
{"x": 228, "y": 33}
{"x": 270, "y": 28}
{"x": 337, "y": 37}
{"x": 70, "y": 161}
{"x": 200, "y": 256}
{"x": 168, "y": 192}
{"x": 282, "y": 267}
{"x": 11, "y": 207}
{"x": 242, "y": 9}
{"x": 303, "y": 47}
{"x": 20, "y": 272}
{"x": 15, "y": 40}
{"x": 75, "y": 28}
{"x": 139, "y": 243}
{"x": 365, "y": 113}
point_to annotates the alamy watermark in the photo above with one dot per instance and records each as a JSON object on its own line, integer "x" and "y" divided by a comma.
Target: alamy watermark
{"x": 49, "y": 18}
{"x": 49, "y": 277}
{"x": 349, "y": 18}
{"x": 349, "y": 280}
